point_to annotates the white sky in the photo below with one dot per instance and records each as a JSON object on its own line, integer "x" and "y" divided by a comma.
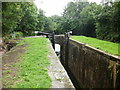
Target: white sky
{"x": 54, "y": 7}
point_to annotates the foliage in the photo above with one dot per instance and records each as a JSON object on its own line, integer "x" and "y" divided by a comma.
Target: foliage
{"x": 91, "y": 19}
{"x": 44, "y": 24}
{"x": 41, "y": 20}
{"x": 17, "y": 35}
{"x": 107, "y": 23}
{"x": 106, "y": 46}
{"x": 28, "y": 22}
{"x": 49, "y": 25}
{"x": 72, "y": 18}
{"x": 12, "y": 14}
{"x": 57, "y": 21}
{"x": 88, "y": 14}
{"x": 82, "y": 18}
{"x": 23, "y": 17}
{"x": 18, "y": 17}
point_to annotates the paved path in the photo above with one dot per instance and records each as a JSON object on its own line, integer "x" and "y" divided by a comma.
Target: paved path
{"x": 57, "y": 73}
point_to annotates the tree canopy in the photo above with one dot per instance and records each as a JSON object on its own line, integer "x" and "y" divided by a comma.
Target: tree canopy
{"x": 82, "y": 18}
{"x": 90, "y": 19}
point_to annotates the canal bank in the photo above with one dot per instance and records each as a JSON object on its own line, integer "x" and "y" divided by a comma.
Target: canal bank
{"x": 56, "y": 71}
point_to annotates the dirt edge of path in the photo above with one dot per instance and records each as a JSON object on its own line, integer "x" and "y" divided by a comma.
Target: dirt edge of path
{"x": 9, "y": 60}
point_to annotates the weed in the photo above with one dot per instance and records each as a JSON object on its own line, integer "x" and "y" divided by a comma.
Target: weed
{"x": 7, "y": 72}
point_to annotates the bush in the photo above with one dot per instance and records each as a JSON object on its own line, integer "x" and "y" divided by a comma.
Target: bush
{"x": 17, "y": 35}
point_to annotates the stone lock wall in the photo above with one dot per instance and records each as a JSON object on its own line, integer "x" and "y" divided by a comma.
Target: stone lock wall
{"x": 90, "y": 67}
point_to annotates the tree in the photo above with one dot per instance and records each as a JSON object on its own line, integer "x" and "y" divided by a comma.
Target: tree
{"x": 11, "y": 15}
{"x": 107, "y": 23}
{"x": 116, "y": 22}
{"x": 72, "y": 18}
{"x": 28, "y": 23}
{"x": 18, "y": 17}
{"x": 88, "y": 16}
{"x": 41, "y": 20}
{"x": 57, "y": 20}
{"x": 49, "y": 25}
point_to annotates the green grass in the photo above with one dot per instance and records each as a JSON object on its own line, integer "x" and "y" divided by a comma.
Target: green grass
{"x": 106, "y": 46}
{"x": 33, "y": 65}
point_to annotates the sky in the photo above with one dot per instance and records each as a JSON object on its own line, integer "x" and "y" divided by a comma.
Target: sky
{"x": 54, "y": 7}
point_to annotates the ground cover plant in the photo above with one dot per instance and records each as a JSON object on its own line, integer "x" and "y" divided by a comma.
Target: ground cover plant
{"x": 109, "y": 47}
{"x": 32, "y": 66}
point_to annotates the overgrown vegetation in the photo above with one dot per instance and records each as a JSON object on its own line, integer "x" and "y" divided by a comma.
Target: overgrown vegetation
{"x": 91, "y": 19}
{"x": 23, "y": 17}
{"x": 106, "y": 46}
{"x": 107, "y": 22}
{"x": 82, "y": 18}
{"x": 32, "y": 65}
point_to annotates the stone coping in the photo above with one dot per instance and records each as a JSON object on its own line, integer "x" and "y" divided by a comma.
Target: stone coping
{"x": 56, "y": 71}
{"x": 112, "y": 57}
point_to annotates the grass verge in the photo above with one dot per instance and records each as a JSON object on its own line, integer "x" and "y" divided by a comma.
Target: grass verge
{"x": 33, "y": 65}
{"x": 109, "y": 47}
